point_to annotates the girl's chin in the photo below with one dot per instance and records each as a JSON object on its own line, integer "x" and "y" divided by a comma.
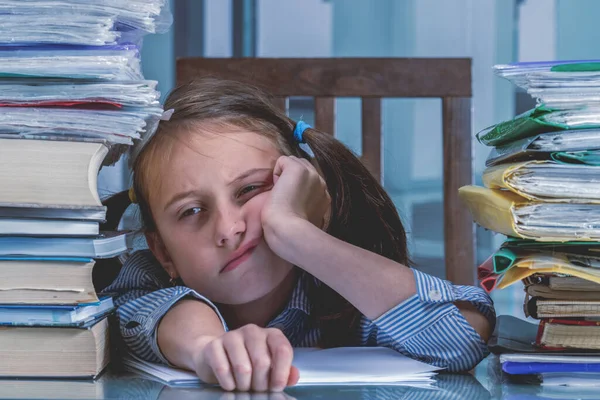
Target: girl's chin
{"x": 248, "y": 290}
{"x": 254, "y": 284}
{"x": 244, "y": 295}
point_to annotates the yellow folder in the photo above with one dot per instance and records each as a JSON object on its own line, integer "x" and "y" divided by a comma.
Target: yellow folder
{"x": 582, "y": 189}
{"x": 508, "y": 213}
{"x": 497, "y": 177}
{"x": 492, "y": 209}
{"x": 539, "y": 264}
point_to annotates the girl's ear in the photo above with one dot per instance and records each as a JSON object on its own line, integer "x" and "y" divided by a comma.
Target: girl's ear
{"x": 158, "y": 248}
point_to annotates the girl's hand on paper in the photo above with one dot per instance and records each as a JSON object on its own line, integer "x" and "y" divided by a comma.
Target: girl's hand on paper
{"x": 248, "y": 358}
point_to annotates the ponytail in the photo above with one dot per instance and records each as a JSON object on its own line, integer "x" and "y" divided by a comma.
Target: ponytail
{"x": 364, "y": 215}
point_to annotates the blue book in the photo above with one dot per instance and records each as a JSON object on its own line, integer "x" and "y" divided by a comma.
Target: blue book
{"x": 46, "y": 258}
{"x": 47, "y": 227}
{"x": 54, "y": 315}
{"x": 108, "y": 245}
{"x": 522, "y": 368}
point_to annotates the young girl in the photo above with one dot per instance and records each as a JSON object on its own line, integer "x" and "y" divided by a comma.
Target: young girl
{"x": 257, "y": 247}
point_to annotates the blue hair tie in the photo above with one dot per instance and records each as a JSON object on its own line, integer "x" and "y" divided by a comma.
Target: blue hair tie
{"x": 301, "y": 126}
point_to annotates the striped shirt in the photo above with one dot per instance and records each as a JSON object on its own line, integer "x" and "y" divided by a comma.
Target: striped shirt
{"x": 427, "y": 326}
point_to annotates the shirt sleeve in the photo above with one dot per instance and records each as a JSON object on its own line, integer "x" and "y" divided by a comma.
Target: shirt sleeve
{"x": 142, "y": 296}
{"x": 430, "y": 328}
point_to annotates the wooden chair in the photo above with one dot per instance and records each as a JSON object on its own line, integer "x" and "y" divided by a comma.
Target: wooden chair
{"x": 372, "y": 79}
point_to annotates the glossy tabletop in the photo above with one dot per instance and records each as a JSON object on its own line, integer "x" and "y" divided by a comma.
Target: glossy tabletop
{"x": 485, "y": 382}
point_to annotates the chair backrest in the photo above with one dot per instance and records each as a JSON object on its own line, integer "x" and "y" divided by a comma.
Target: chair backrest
{"x": 372, "y": 79}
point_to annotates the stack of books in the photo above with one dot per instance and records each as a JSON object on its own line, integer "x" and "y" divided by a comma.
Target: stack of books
{"x": 73, "y": 99}
{"x": 542, "y": 190}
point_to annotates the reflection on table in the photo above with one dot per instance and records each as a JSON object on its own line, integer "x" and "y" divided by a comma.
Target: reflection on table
{"x": 486, "y": 382}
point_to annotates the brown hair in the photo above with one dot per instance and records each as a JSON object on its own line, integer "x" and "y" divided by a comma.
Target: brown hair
{"x": 362, "y": 212}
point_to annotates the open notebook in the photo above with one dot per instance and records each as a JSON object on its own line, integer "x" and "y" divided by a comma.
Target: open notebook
{"x": 337, "y": 366}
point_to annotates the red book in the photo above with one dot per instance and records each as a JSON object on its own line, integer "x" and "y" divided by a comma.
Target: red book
{"x": 95, "y": 104}
{"x": 556, "y": 334}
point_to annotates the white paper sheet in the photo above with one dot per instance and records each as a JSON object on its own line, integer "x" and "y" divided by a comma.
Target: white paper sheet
{"x": 358, "y": 365}
{"x": 338, "y": 366}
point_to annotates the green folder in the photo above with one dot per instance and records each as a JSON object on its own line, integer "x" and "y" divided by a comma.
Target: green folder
{"x": 528, "y": 124}
{"x": 590, "y": 157}
{"x": 513, "y": 249}
{"x": 504, "y": 155}
{"x": 528, "y": 243}
{"x": 576, "y": 146}
{"x": 522, "y": 126}
{"x": 503, "y": 259}
{"x": 577, "y": 67}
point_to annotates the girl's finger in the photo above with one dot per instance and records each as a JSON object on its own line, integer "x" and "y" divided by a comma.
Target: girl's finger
{"x": 307, "y": 164}
{"x": 280, "y": 165}
{"x": 239, "y": 360}
{"x": 281, "y": 359}
{"x": 294, "y": 376}
{"x": 301, "y": 162}
{"x": 256, "y": 345}
{"x": 217, "y": 360}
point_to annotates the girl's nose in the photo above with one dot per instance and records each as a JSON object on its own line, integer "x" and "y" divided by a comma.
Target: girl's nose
{"x": 230, "y": 228}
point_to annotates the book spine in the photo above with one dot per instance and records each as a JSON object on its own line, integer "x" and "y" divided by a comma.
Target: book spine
{"x": 531, "y": 307}
{"x": 540, "y": 333}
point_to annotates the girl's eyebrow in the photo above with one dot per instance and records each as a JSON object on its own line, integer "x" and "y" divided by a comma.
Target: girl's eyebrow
{"x": 179, "y": 196}
{"x": 248, "y": 173}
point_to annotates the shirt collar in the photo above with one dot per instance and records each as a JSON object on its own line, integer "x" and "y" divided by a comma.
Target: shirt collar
{"x": 299, "y": 299}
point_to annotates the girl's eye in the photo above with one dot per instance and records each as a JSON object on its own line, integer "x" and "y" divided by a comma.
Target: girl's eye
{"x": 248, "y": 189}
{"x": 191, "y": 211}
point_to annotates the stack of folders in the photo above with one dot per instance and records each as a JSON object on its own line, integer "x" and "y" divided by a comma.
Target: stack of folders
{"x": 73, "y": 99}
{"x": 542, "y": 189}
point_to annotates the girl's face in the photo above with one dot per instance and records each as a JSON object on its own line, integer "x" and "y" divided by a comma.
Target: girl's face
{"x": 208, "y": 215}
